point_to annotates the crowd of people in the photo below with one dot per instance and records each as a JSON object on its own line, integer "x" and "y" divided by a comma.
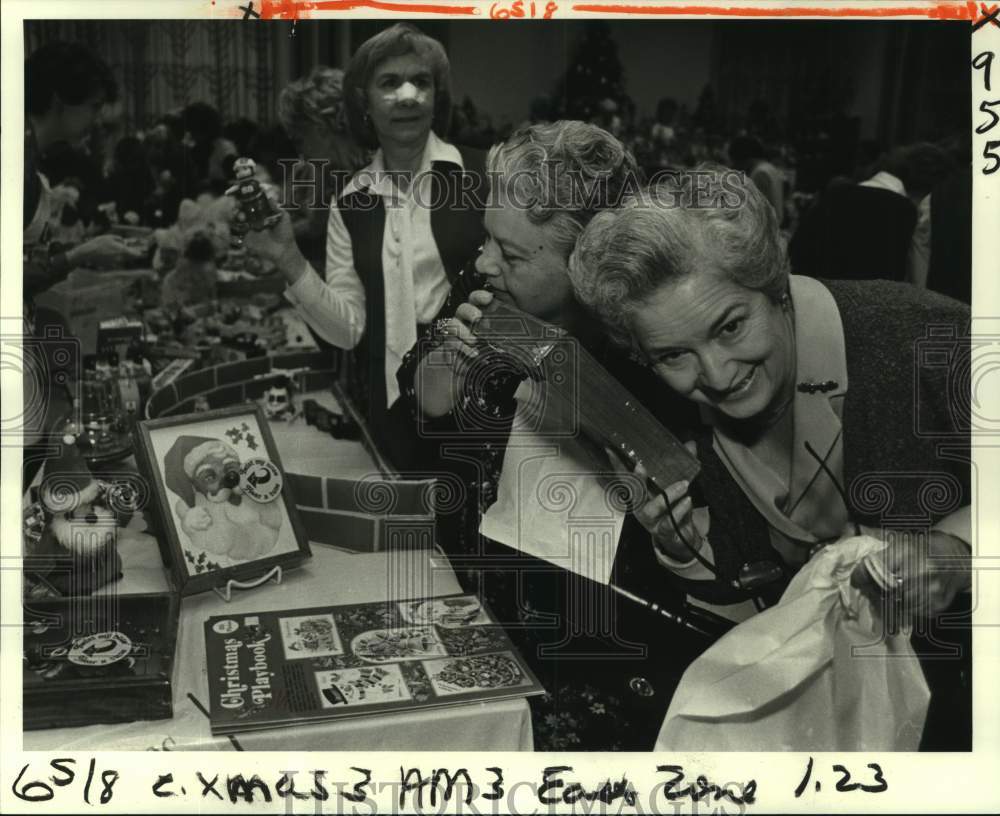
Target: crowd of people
{"x": 775, "y": 340}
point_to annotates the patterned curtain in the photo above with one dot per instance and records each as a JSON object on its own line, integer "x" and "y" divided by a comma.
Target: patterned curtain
{"x": 779, "y": 78}
{"x": 163, "y": 65}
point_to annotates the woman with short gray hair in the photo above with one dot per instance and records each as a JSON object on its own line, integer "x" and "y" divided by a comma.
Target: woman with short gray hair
{"x": 561, "y": 174}
{"x": 625, "y": 259}
{"x": 546, "y": 184}
{"x": 805, "y": 390}
{"x": 312, "y": 111}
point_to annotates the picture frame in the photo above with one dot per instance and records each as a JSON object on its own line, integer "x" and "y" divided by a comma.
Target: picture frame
{"x": 225, "y": 506}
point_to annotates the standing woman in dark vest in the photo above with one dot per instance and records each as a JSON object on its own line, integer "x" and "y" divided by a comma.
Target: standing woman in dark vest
{"x": 400, "y": 230}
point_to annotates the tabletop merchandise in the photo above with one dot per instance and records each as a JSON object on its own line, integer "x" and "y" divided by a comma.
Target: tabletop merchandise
{"x": 98, "y": 659}
{"x": 272, "y": 669}
{"x": 225, "y": 509}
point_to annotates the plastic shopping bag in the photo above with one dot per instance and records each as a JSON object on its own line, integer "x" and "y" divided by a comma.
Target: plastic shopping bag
{"x": 816, "y": 672}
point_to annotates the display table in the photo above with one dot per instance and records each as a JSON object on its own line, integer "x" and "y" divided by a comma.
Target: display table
{"x": 306, "y": 450}
{"x": 330, "y": 577}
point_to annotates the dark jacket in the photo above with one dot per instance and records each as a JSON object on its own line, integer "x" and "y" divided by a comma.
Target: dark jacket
{"x": 856, "y": 232}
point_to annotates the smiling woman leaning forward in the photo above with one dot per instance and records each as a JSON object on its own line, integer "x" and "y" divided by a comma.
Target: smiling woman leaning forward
{"x": 818, "y": 412}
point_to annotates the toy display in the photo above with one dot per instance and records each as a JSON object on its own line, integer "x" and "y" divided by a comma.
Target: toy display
{"x": 114, "y": 661}
{"x": 71, "y": 530}
{"x": 218, "y": 331}
{"x": 225, "y": 509}
{"x": 255, "y": 210}
{"x": 101, "y": 421}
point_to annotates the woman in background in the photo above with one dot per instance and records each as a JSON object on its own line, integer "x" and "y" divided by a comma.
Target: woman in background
{"x": 66, "y": 85}
{"x": 313, "y": 114}
{"x": 398, "y": 233}
{"x": 212, "y": 153}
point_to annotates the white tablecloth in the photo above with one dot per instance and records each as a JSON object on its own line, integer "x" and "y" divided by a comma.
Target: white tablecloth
{"x": 329, "y": 577}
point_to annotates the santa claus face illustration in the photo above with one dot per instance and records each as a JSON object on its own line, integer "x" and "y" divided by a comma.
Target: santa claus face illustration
{"x": 217, "y": 476}
{"x": 203, "y": 466}
{"x": 215, "y": 515}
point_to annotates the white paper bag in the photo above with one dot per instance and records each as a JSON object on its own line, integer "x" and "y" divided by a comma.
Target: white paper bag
{"x": 813, "y": 673}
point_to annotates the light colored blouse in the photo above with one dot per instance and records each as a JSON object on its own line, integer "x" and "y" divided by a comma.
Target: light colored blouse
{"x": 808, "y": 508}
{"x": 416, "y": 284}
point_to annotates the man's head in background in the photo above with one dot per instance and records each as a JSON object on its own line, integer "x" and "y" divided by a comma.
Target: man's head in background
{"x": 65, "y": 87}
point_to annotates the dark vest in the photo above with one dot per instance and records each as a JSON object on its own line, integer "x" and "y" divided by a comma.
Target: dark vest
{"x": 457, "y": 227}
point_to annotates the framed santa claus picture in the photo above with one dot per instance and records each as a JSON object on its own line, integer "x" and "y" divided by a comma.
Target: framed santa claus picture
{"x": 227, "y": 511}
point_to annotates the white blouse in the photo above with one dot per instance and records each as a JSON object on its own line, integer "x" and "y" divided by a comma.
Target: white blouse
{"x": 416, "y": 284}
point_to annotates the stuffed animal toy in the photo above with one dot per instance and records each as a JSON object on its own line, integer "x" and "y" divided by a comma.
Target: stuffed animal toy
{"x": 214, "y": 514}
{"x": 279, "y": 402}
{"x": 189, "y": 251}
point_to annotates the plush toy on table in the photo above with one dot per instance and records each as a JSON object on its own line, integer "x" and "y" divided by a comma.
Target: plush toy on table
{"x": 255, "y": 210}
{"x": 76, "y": 552}
{"x": 186, "y": 252}
{"x": 213, "y": 512}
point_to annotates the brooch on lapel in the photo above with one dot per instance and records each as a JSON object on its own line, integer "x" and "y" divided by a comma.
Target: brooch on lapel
{"x": 814, "y": 387}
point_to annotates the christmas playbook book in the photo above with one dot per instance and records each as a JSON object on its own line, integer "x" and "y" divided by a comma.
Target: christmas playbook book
{"x": 272, "y": 669}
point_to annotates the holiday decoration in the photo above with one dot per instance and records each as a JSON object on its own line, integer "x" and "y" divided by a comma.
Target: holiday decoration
{"x": 257, "y": 211}
{"x": 72, "y": 532}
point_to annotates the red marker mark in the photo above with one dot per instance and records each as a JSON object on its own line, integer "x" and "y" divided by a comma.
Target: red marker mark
{"x": 298, "y": 9}
{"x": 282, "y": 9}
{"x": 938, "y": 11}
{"x": 990, "y": 15}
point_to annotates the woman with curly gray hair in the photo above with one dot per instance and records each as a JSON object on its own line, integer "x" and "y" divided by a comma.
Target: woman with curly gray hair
{"x": 805, "y": 390}
{"x": 313, "y": 113}
{"x": 546, "y": 184}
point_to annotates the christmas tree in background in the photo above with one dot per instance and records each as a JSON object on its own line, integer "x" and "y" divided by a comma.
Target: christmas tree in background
{"x": 594, "y": 79}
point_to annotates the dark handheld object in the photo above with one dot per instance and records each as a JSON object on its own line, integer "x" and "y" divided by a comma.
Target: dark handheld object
{"x": 606, "y": 411}
{"x": 752, "y": 577}
{"x": 258, "y": 213}
{"x": 338, "y": 426}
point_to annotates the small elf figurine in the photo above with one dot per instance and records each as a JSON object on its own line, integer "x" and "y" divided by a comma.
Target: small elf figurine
{"x": 279, "y": 401}
{"x": 255, "y": 210}
{"x": 77, "y": 550}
